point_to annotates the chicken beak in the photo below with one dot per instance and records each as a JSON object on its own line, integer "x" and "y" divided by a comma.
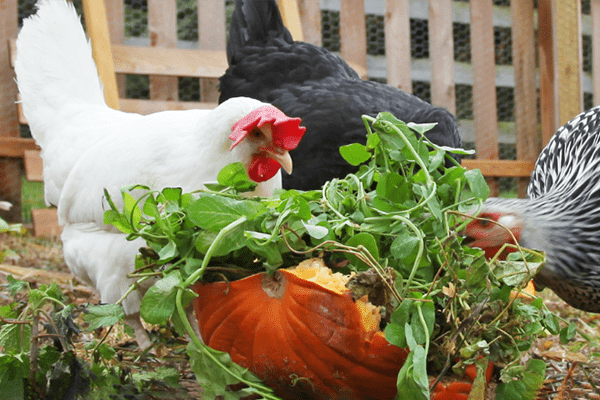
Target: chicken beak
{"x": 283, "y": 158}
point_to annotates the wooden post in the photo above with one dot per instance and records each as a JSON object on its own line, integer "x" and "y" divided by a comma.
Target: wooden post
{"x": 96, "y": 23}
{"x": 353, "y": 31}
{"x": 596, "y": 48}
{"x": 523, "y": 51}
{"x": 441, "y": 49}
{"x": 290, "y": 13}
{"x": 310, "y": 17}
{"x": 568, "y": 58}
{"x": 10, "y": 168}
{"x": 211, "y": 33}
{"x": 547, "y": 51}
{"x": 162, "y": 27}
{"x": 115, "y": 15}
{"x": 484, "y": 85}
{"x": 397, "y": 44}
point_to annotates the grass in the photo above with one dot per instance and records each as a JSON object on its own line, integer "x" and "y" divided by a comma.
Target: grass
{"x": 32, "y": 197}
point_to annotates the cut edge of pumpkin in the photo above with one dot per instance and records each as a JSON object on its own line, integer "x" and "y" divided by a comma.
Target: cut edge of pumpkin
{"x": 314, "y": 270}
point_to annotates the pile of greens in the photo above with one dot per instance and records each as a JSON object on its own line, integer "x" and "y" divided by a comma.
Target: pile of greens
{"x": 394, "y": 223}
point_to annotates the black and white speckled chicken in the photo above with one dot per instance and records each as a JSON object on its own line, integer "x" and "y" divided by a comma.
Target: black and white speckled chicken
{"x": 309, "y": 82}
{"x": 560, "y": 216}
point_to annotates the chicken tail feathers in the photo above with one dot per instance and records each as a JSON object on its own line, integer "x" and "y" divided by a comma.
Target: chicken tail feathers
{"x": 254, "y": 21}
{"x": 54, "y": 65}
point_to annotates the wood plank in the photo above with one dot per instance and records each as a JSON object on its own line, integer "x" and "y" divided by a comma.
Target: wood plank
{"x": 97, "y": 28}
{"x": 9, "y": 125}
{"x": 290, "y": 14}
{"x": 33, "y": 165}
{"x": 523, "y": 53}
{"x": 15, "y": 147}
{"x": 568, "y": 52}
{"x": 441, "y": 50}
{"x": 484, "y": 86}
{"x": 45, "y": 223}
{"x": 146, "y": 107}
{"x": 310, "y": 17}
{"x": 143, "y": 60}
{"x": 162, "y": 28}
{"x": 353, "y": 31}
{"x": 596, "y": 48}
{"x": 548, "y": 103}
{"x": 397, "y": 46}
{"x": 501, "y": 168}
{"x": 115, "y": 14}
{"x": 10, "y": 169}
{"x": 211, "y": 36}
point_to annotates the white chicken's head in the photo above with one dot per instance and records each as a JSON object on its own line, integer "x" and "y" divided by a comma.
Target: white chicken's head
{"x": 272, "y": 134}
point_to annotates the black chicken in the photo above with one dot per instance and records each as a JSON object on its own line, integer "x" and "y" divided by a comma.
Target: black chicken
{"x": 307, "y": 81}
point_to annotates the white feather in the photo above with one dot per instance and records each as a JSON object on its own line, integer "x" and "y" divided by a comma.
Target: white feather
{"x": 87, "y": 147}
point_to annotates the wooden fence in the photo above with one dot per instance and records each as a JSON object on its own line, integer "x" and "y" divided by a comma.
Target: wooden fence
{"x": 554, "y": 78}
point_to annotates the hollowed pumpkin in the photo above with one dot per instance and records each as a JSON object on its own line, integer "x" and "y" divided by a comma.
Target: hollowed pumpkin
{"x": 302, "y": 333}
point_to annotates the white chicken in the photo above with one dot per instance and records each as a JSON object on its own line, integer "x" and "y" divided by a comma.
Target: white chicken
{"x": 88, "y": 147}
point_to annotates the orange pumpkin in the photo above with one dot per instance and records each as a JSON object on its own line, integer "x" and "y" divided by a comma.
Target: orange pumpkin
{"x": 305, "y": 339}
{"x": 303, "y": 334}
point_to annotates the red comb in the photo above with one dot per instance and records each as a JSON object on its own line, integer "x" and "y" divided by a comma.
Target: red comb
{"x": 287, "y": 131}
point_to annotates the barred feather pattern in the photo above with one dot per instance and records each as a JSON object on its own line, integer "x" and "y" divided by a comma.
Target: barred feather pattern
{"x": 562, "y": 213}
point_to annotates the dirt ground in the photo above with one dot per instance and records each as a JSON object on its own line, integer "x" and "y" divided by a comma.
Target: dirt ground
{"x": 573, "y": 370}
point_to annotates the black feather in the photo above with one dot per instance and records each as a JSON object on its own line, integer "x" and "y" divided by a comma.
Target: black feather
{"x": 309, "y": 82}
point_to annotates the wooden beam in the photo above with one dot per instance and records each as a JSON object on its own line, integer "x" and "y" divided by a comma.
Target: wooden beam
{"x": 310, "y": 17}
{"x": 96, "y": 24}
{"x": 290, "y": 14}
{"x": 484, "y": 83}
{"x": 501, "y": 168}
{"x": 45, "y": 223}
{"x": 115, "y": 14}
{"x": 145, "y": 107}
{"x": 568, "y": 58}
{"x": 548, "y": 104}
{"x": 143, "y": 60}
{"x": 353, "y": 31}
{"x": 397, "y": 50}
{"x": 441, "y": 45}
{"x": 526, "y": 116}
{"x": 15, "y": 147}
{"x": 33, "y": 166}
{"x": 596, "y": 48}
{"x": 211, "y": 36}
{"x": 162, "y": 27}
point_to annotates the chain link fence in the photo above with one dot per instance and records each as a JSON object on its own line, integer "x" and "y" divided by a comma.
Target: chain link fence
{"x": 136, "y": 28}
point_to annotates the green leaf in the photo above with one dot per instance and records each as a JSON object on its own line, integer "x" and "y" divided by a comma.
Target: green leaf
{"x": 131, "y": 210}
{"x": 528, "y": 386}
{"x": 404, "y": 245}
{"x": 477, "y": 183}
{"x": 394, "y": 187}
{"x": 103, "y": 315}
{"x": 316, "y": 231}
{"x": 411, "y": 377}
{"x": 211, "y": 369}
{"x": 366, "y": 240}
{"x": 118, "y": 220}
{"x": 215, "y": 213}
{"x": 355, "y": 153}
{"x": 234, "y": 175}
{"x": 158, "y": 303}
{"x": 568, "y": 333}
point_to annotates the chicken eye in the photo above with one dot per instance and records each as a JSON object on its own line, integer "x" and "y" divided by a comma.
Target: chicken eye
{"x": 257, "y": 133}
{"x": 484, "y": 223}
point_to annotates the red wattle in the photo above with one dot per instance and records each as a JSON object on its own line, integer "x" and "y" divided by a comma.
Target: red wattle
{"x": 262, "y": 168}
